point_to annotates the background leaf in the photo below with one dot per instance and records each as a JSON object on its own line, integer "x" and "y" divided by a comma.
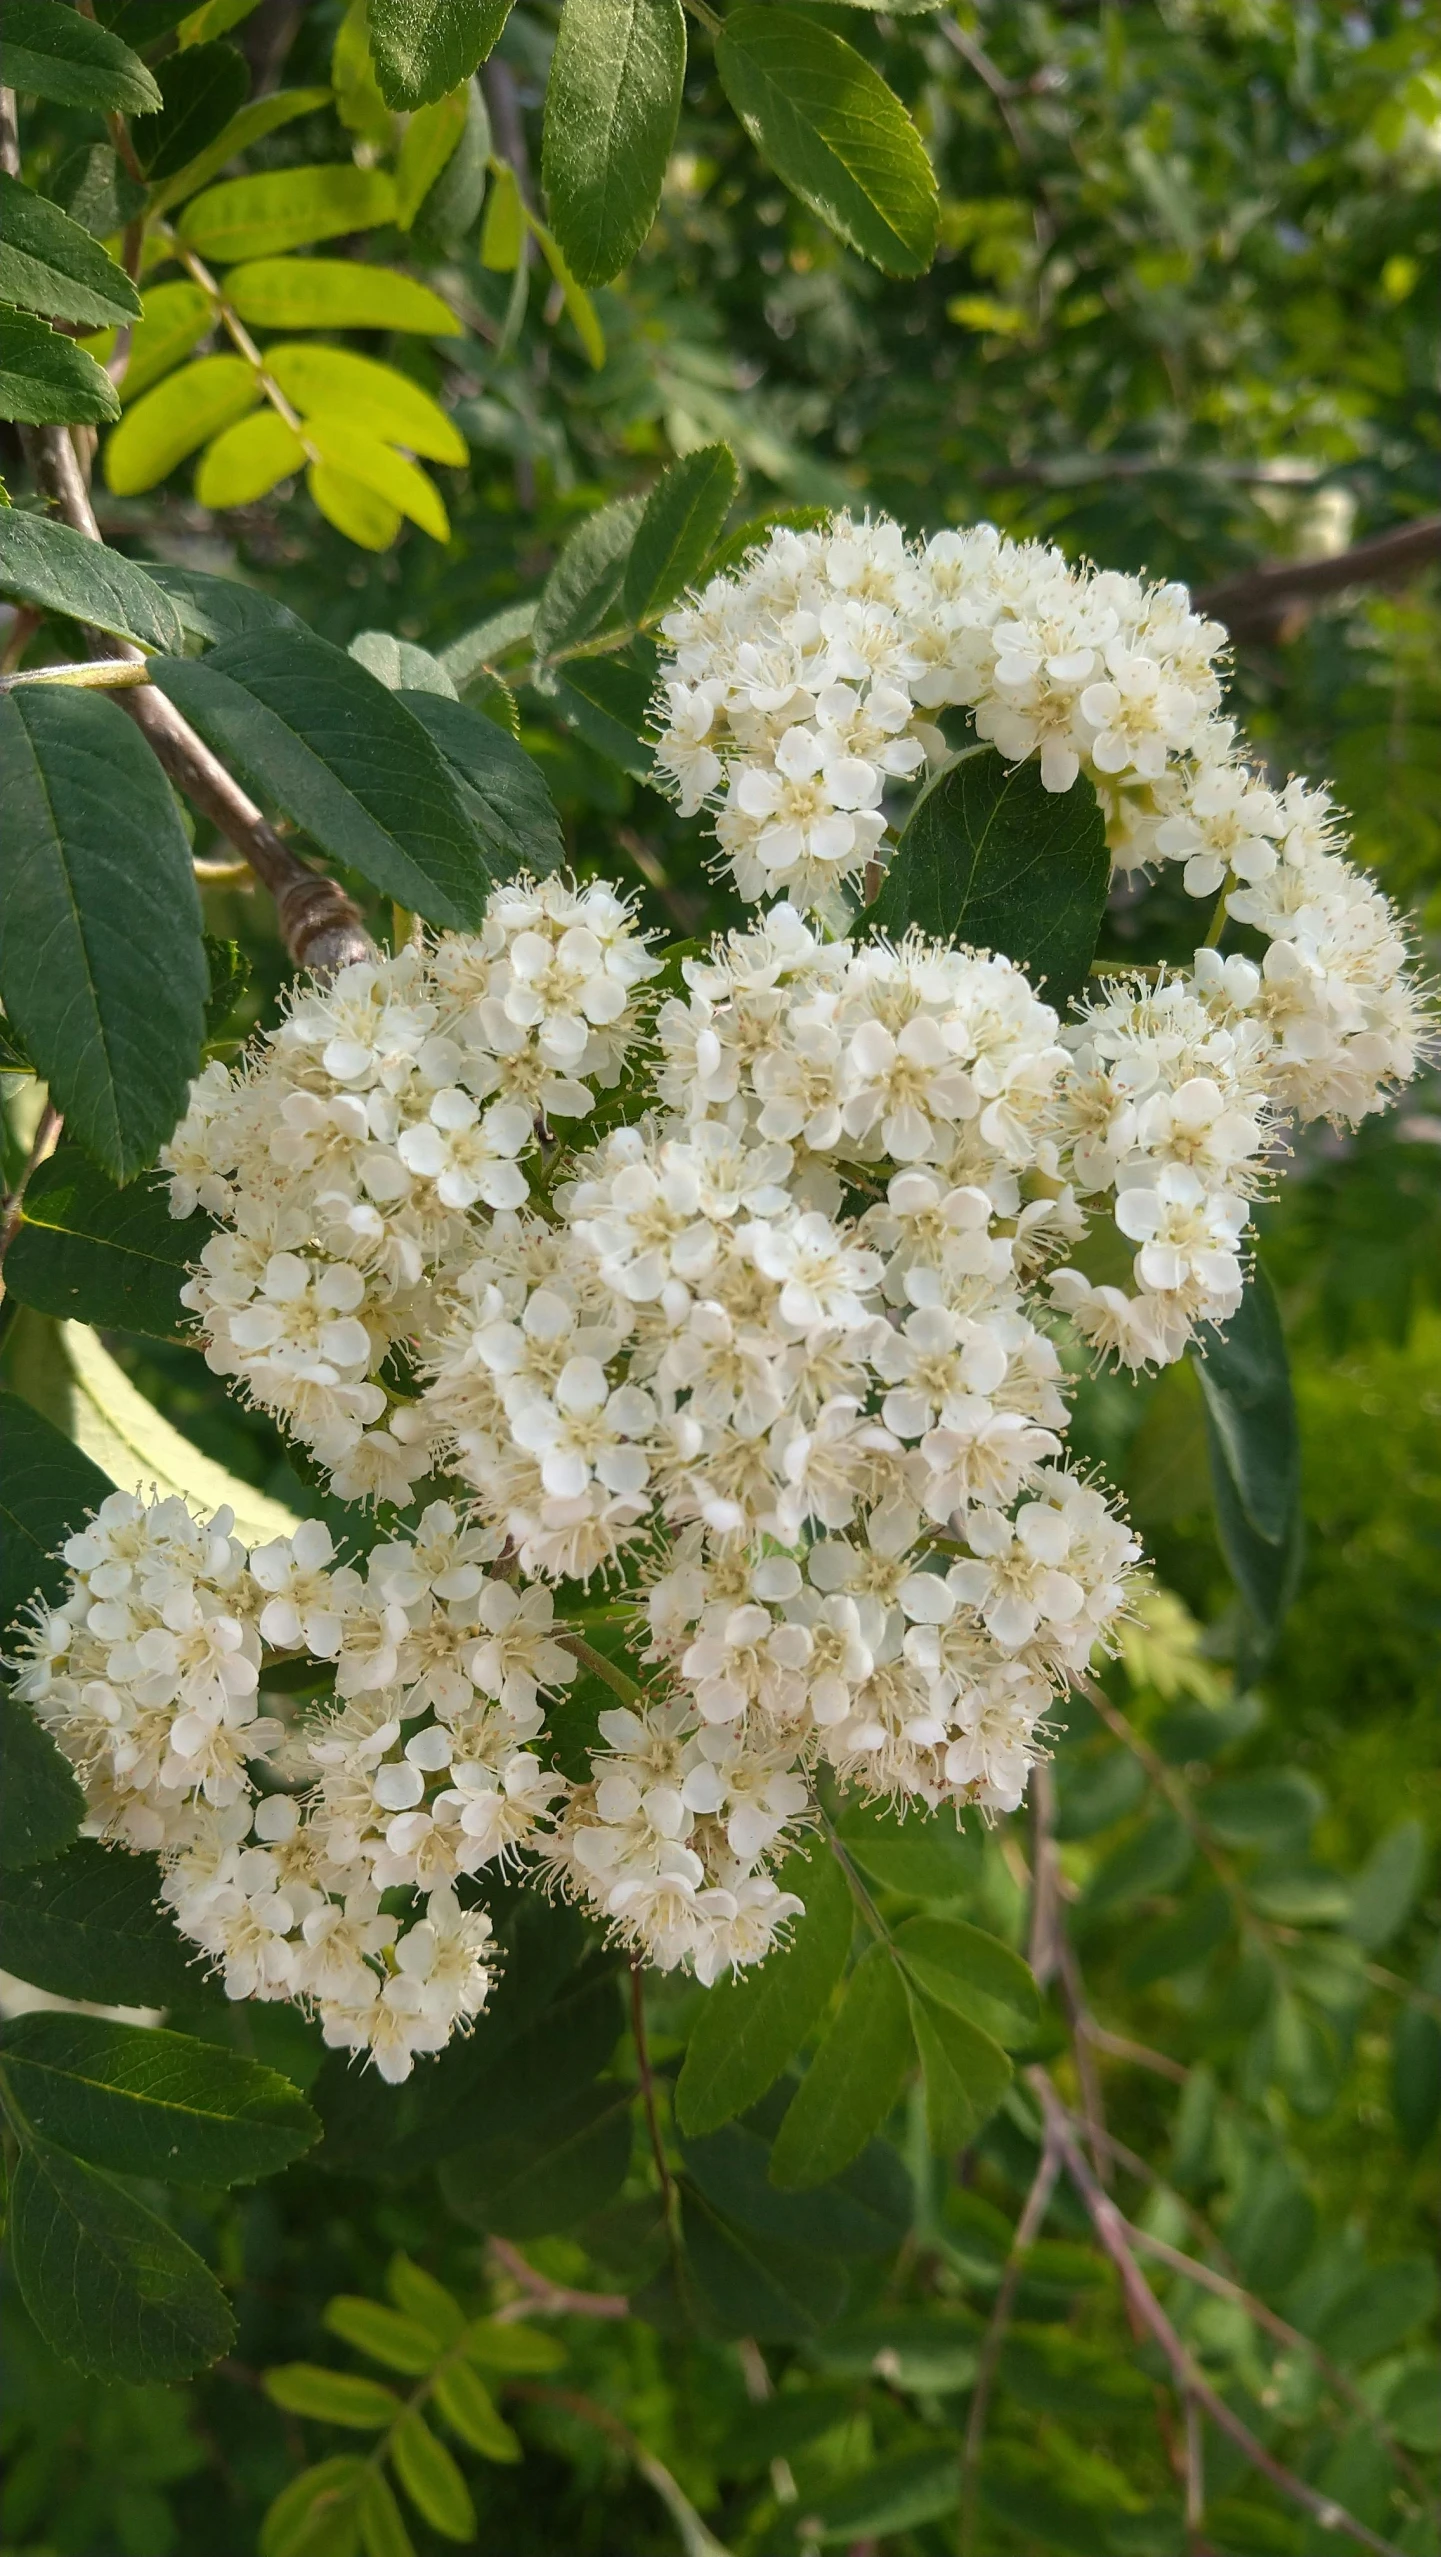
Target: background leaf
{"x": 683, "y": 517}
{"x": 1251, "y": 1429}
{"x": 202, "y": 90}
{"x": 831, "y": 129}
{"x": 91, "y": 1253}
{"x": 753, "y": 2285}
{"x": 991, "y": 857}
{"x": 101, "y": 961}
{"x": 748, "y": 2027}
{"x": 585, "y": 583}
{"x": 108, "y": 2284}
{"x": 854, "y": 2079}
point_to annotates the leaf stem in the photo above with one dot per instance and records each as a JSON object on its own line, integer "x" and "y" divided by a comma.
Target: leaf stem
{"x": 97, "y": 674}
{"x": 602, "y": 1667}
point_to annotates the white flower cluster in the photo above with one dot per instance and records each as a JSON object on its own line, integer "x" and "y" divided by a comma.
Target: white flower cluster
{"x": 798, "y": 687}
{"x": 280, "y": 1838}
{"x": 785, "y": 1325}
{"x": 347, "y": 1157}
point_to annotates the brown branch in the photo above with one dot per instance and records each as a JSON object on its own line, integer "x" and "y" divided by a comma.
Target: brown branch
{"x": 1252, "y": 605}
{"x": 545, "y": 2298}
{"x": 47, "y": 1137}
{"x": 318, "y": 924}
{"x": 1114, "y": 2235}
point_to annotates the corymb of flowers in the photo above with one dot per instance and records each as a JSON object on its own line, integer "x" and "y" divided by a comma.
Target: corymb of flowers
{"x": 773, "y": 1361}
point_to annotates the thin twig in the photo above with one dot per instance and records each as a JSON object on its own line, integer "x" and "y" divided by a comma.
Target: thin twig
{"x": 696, "y": 2538}
{"x": 1118, "y": 2046}
{"x": 647, "y": 2089}
{"x": 1028, "y": 2229}
{"x": 600, "y": 1667}
{"x": 1114, "y": 2236}
{"x": 46, "y": 1138}
{"x": 544, "y": 2298}
{"x": 1255, "y": 602}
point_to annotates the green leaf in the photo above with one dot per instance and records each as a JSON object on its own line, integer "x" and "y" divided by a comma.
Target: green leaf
{"x": 202, "y": 90}
{"x": 229, "y": 972}
{"x": 381, "y": 2528}
{"x": 143, "y": 2102}
{"x": 61, "y": 571}
{"x": 362, "y": 457}
{"x": 1150, "y": 1860}
{"x": 51, "y": 264}
{"x": 611, "y": 104}
{"x": 310, "y": 731}
{"x": 470, "y": 2410}
{"x": 41, "y": 1804}
{"x": 426, "y": 145}
{"x": 1383, "y": 1892}
{"x": 683, "y": 516}
{"x": 928, "y": 1855}
{"x": 177, "y": 316}
{"x": 1097, "y": 1792}
{"x": 90, "y": 1925}
{"x": 479, "y": 651}
{"x": 550, "y": 2177}
{"x": 422, "y": 48}
{"x": 50, "y": 51}
{"x": 322, "y": 380}
{"x": 399, "y": 664}
{"x": 1275, "y": 1809}
{"x": 174, "y": 418}
{"x": 448, "y": 215}
{"x": 47, "y": 1491}
{"x": 262, "y": 217}
{"x": 585, "y": 583}
{"x": 758, "y": 529}
{"x": 1179, "y": 1943}
{"x": 854, "y": 2079}
{"x": 1416, "y": 2075}
{"x": 382, "y": 2333}
{"x": 141, "y": 22}
{"x": 249, "y": 125}
{"x": 332, "y": 2397}
{"x": 248, "y": 460}
{"x": 425, "y": 2301}
{"x": 753, "y": 2285}
{"x": 1255, "y": 1446}
{"x": 749, "y": 2026}
{"x": 89, "y": 1253}
{"x": 925, "y": 2350}
{"x": 335, "y": 293}
{"x": 991, "y": 857}
{"x": 47, "y": 379}
{"x": 212, "y": 608}
{"x": 1378, "y": 2310}
{"x": 501, "y": 788}
{"x": 833, "y": 133}
{"x": 319, "y": 2497}
{"x": 101, "y": 962}
{"x": 966, "y": 2073}
{"x": 111, "y": 2288}
{"x": 972, "y": 1973}
{"x": 431, "y": 2479}
{"x": 93, "y": 188}
{"x": 896, "y": 2494}
{"x": 731, "y": 2167}
{"x": 512, "y": 2351}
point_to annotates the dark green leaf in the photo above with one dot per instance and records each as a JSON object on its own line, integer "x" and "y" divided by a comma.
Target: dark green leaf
{"x": 611, "y": 105}
{"x": 927, "y": 1855}
{"x": 893, "y": 2494}
{"x": 608, "y": 701}
{"x": 422, "y": 49}
{"x": 309, "y": 730}
{"x": 915, "y": 2349}
{"x": 431, "y": 2479}
{"x": 110, "y": 2287}
{"x": 51, "y": 264}
{"x": 833, "y": 133}
{"x": 229, "y": 972}
{"x": 1020, "y": 2491}
{"x": 41, "y": 1804}
{"x": 93, "y": 187}
{"x": 1272, "y": 2228}
{"x": 972, "y": 1973}
{"x": 1416, "y": 2075}
{"x": 50, "y": 51}
{"x": 101, "y": 961}
{"x": 451, "y": 210}
{"x": 731, "y": 2168}
{"x": 90, "y": 1926}
{"x": 214, "y": 608}
{"x": 201, "y": 88}
{"x": 1383, "y": 1891}
{"x": 501, "y": 788}
{"x": 990, "y": 856}
{"x": 47, "y": 1491}
{"x": 586, "y": 581}
{"x": 749, "y": 2026}
{"x": 854, "y": 2079}
{"x": 89, "y": 1253}
{"x": 1413, "y": 2405}
{"x": 1096, "y": 1792}
{"x": 753, "y": 2285}
{"x": 966, "y": 2073}
{"x": 758, "y": 529}
{"x": 1177, "y": 1944}
{"x": 1255, "y": 1446}
{"x": 141, "y": 22}
{"x": 47, "y": 564}
{"x": 683, "y": 516}
{"x": 1150, "y": 1860}
{"x": 47, "y": 379}
{"x": 1275, "y": 1810}
{"x": 1378, "y": 2310}
{"x": 151, "y": 2103}
{"x": 549, "y": 2177}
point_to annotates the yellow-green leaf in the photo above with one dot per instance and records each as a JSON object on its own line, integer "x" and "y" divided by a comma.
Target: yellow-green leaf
{"x": 379, "y": 467}
{"x": 301, "y": 2509}
{"x": 332, "y": 2397}
{"x": 248, "y": 460}
{"x": 579, "y": 306}
{"x": 382, "y": 2333}
{"x": 336, "y": 293}
{"x": 502, "y": 234}
{"x": 286, "y": 209}
{"x": 319, "y": 379}
{"x": 122, "y": 1433}
{"x": 249, "y": 124}
{"x": 177, "y": 317}
{"x": 175, "y": 418}
{"x": 431, "y": 2478}
{"x": 352, "y": 508}
{"x": 470, "y": 2410}
{"x": 358, "y": 102}
{"x": 381, "y": 2529}
{"x": 430, "y": 137}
